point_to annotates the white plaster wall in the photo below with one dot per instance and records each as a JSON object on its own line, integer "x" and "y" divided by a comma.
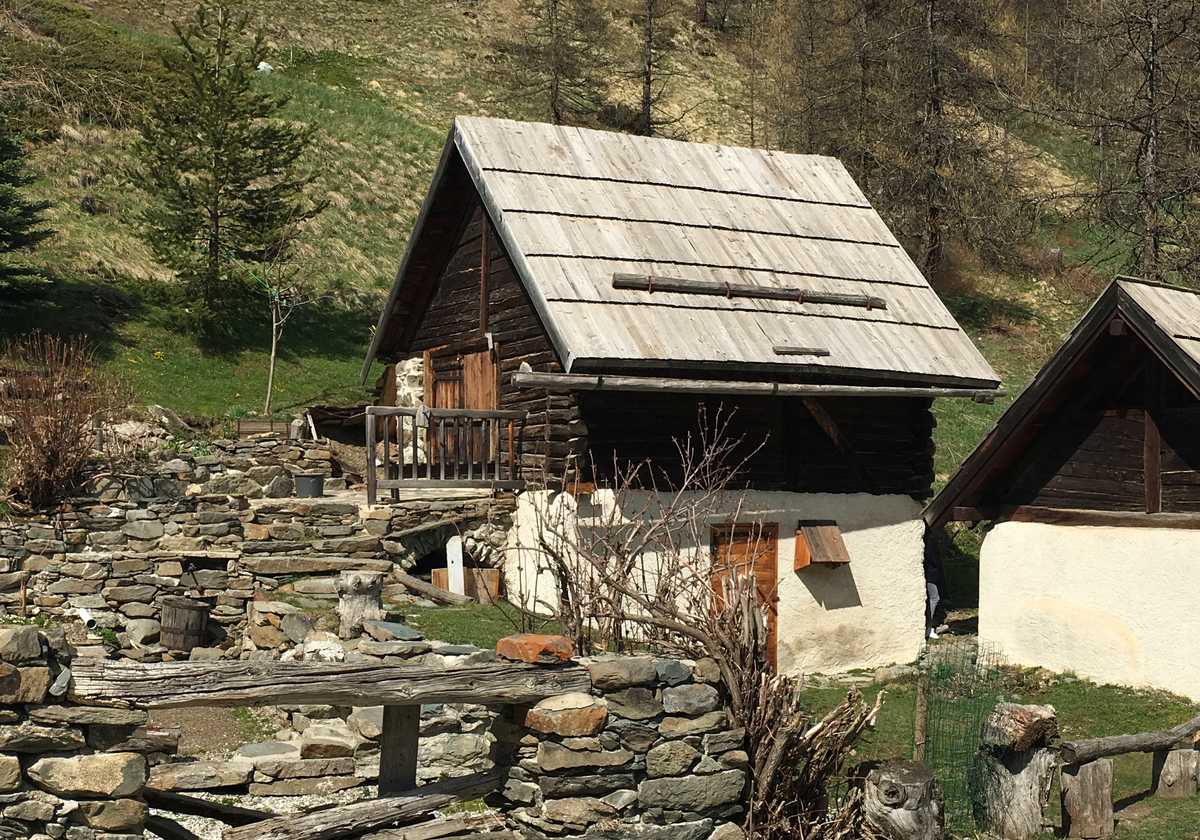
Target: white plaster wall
{"x": 1114, "y": 605}
{"x": 865, "y": 615}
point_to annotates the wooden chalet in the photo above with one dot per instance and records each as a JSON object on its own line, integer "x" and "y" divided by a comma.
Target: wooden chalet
{"x": 577, "y": 296}
{"x": 1093, "y": 476}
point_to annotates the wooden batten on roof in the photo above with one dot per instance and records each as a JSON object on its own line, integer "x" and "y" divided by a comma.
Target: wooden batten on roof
{"x": 648, "y": 256}
{"x": 1136, "y": 346}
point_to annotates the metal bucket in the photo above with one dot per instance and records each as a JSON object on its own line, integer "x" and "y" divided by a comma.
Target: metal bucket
{"x": 310, "y": 485}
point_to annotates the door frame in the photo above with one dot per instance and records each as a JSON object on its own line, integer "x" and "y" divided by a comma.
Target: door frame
{"x": 767, "y": 534}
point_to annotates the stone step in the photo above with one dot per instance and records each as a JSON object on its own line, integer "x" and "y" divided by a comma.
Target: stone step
{"x": 300, "y": 564}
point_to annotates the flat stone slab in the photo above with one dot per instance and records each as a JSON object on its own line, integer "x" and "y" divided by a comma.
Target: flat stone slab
{"x": 392, "y": 631}
{"x": 200, "y": 775}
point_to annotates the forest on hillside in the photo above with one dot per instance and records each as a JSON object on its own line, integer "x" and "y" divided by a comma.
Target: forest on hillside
{"x": 1023, "y": 151}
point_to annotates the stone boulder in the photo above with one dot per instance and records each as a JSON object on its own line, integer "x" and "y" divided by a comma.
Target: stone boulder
{"x": 103, "y": 776}
{"x": 568, "y": 715}
{"x": 200, "y": 775}
{"x": 694, "y": 794}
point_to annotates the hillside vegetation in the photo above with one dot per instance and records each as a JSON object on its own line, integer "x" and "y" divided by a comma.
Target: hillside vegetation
{"x": 382, "y": 79}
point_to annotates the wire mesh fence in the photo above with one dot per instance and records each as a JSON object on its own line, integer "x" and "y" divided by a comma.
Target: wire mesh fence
{"x": 962, "y": 682}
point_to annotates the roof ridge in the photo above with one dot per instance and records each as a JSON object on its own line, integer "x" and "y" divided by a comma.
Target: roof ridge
{"x": 1158, "y": 284}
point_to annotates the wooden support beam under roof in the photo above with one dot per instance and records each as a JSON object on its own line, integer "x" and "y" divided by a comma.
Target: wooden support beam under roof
{"x": 566, "y": 382}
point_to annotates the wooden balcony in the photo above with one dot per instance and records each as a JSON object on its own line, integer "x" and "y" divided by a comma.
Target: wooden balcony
{"x": 442, "y": 447}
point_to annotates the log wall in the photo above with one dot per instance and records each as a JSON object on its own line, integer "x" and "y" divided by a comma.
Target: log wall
{"x": 553, "y": 430}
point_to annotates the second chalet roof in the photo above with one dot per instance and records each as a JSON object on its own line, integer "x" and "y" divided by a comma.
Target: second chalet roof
{"x": 741, "y": 228}
{"x": 1165, "y": 318}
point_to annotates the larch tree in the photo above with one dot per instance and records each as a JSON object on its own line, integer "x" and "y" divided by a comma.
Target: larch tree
{"x": 558, "y": 58}
{"x": 21, "y": 219}
{"x": 220, "y": 164}
{"x": 657, "y": 21}
{"x": 1138, "y": 108}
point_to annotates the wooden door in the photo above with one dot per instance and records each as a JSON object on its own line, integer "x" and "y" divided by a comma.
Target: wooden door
{"x": 462, "y": 380}
{"x": 751, "y": 548}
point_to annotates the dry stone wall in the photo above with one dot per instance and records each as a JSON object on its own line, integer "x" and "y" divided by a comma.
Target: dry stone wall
{"x": 650, "y": 753}
{"x": 221, "y": 527}
{"x": 67, "y": 771}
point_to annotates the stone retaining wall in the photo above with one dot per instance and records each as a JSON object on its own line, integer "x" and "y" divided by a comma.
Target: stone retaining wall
{"x": 209, "y": 526}
{"x": 648, "y": 753}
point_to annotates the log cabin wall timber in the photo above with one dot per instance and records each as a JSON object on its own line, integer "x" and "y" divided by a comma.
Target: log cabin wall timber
{"x": 1120, "y": 437}
{"x": 553, "y": 429}
{"x": 832, "y": 445}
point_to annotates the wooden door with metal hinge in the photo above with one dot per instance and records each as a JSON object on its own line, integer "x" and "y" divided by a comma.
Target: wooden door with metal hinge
{"x": 746, "y": 549}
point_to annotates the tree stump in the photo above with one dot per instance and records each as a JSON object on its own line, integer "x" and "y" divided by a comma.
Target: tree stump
{"x": 1087, "y": 805}
{"x": 1014, "y": 770}
{"x": 1175, "y": 773}
{"x": 903, "y": 801}
{"x": 360, "y": 598}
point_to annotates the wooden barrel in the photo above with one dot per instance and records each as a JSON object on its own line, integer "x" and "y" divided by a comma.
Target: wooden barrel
{"x": 184, "y": 623}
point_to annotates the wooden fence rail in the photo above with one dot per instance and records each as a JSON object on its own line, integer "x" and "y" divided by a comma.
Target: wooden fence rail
{"x": 440, "y": 447}
{"x": 160, "y": 685}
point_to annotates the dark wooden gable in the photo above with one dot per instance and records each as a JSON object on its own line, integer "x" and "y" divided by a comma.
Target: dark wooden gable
{"x": 1106, "y": 426}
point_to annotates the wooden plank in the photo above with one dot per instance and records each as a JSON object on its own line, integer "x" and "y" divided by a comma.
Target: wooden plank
{"x": 398, "y": 749}
{"x": 372, "y": 478}
{"x": 1152, "y": 465}
{"x": 178, "y": 684}
{"x": 466, "y": 413}
{"x": 823, "y": 542}
{"x": 360, "y": 817}
{"x": 567, "y": 382}
{"x": 1086, "y": 794}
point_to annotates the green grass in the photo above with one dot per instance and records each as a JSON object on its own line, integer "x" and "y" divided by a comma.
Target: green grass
{"x": 254, "y": 726}
{"x": 473, "y": 624}
{"x": 1084, "y": 710}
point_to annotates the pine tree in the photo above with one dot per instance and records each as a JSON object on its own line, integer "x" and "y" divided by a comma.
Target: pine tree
{"x": 20, "y": 219}
{"x": 220, "y": 163}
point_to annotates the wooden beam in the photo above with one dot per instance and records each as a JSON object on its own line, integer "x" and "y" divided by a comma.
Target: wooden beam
{"x": 360, "y": 817}
{"x": 1083, "y": 752}
{"x": 454, "y": 828}
{"x": 567, "y": 382}
{"x": 398, "y": 749}
{"x": 1068, "y": 516}
{"x": 160, "y": 685}
{"x": 428, "y": 590}
{"x": 214, "y": 809}
{"x": 168, "y": 829}
{"x": 485, "y": 260}
{"x": 1152, "y": 441}
{"x": 793, "y": 350}
{"x": 679, "y": 285}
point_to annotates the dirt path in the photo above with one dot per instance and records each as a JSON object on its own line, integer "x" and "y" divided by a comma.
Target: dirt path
{"x": 210, "y": 732}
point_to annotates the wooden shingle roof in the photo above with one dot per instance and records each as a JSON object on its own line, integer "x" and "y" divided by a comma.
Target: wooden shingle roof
{"x": 575, "y": 207}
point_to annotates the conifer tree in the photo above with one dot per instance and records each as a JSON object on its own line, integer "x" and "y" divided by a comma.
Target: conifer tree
{"x": 558, "y": 58}
{"x": 20, "y": 219}
{"x": 220, "y": 164}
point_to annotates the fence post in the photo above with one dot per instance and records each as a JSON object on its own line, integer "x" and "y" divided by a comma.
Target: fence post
{"x": 1175, "y": 773}
{"x": 1087, "y": 806}
{"x": 398, "y": 749}
{"x": 371, "y": 486}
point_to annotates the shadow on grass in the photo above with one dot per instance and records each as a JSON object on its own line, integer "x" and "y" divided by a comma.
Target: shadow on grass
{"x": 978, "y": 311}
{"x": 69, "y": 307}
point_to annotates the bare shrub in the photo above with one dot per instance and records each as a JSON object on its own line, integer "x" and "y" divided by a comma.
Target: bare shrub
{"x": 52, "y": 394}
{"x": 630, "y": 566}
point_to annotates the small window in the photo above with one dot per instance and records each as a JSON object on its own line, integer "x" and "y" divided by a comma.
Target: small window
{"x": 819, "y": 543}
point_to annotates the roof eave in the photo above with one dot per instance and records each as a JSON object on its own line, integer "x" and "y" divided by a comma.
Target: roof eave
{"x": 413, "y": 239}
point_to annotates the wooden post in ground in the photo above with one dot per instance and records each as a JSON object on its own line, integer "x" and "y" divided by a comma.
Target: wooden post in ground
{"x": 360, "y": 598}
{"x": 398, "y": 749}
{"x": 921, "y": 717}
{"x": 903, "y": 801}
{"x": 1087, "y": 805}
{"x": 1015, "y": 769}
{"x": 372, "y": 491}
{"x": 1175, "y": 773}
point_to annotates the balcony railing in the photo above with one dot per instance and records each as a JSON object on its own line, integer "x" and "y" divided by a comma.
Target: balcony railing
{"x": 442, "y": 447}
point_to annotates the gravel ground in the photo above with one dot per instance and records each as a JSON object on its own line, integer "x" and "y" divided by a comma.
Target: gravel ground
{"x": 209, "y": 732}
{"x": 207, "y": 829}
